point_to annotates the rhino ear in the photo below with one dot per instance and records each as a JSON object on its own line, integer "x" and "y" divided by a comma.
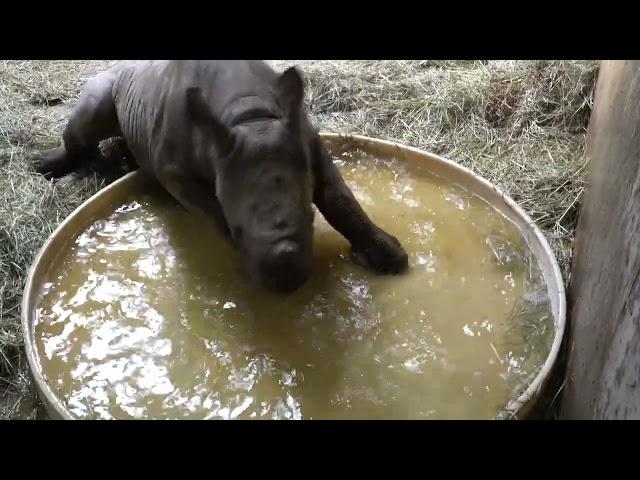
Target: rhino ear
{"x": 200, "y": 113}
{"x": 290, "y": 87}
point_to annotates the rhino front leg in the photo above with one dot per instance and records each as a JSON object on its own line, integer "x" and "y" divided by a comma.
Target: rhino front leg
{"x": 371, "y": 246}
{"x": 92, "y": 120}
{"x": 198, "y": 197}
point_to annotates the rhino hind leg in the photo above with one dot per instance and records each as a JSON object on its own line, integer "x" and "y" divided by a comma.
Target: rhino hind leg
{"x": 92, "y": 120}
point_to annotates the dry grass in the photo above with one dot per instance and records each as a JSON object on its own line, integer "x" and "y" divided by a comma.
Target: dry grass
{"x": 521, "y": 125}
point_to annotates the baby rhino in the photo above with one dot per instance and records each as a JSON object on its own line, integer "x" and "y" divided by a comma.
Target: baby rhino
{"x": 229, "y": 140}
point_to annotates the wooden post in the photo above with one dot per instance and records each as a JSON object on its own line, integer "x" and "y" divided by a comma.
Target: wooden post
{"x": 603, "y": 371}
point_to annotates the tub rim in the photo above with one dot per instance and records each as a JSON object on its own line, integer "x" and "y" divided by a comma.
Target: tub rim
{"x": 554, "y": 281}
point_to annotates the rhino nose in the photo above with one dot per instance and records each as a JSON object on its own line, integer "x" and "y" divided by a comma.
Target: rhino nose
{"x": 283, "y": 256}
{"x": 286, "y": 267}
{"x": 283, "y": 250}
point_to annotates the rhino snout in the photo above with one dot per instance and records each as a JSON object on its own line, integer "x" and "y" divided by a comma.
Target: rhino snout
{"x": 286, "y": 266}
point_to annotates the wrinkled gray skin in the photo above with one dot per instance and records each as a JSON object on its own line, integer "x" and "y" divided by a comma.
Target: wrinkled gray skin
{"x": 229, "y": 140}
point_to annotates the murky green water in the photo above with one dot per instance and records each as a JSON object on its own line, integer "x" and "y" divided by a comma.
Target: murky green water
{"x": 147, "y": 316}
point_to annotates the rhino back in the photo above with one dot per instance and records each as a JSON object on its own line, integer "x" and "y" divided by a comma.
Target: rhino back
{"x": 150, "y": 104}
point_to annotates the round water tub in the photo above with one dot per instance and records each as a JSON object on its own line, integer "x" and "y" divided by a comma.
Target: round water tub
{"x": 68, "y": 230}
